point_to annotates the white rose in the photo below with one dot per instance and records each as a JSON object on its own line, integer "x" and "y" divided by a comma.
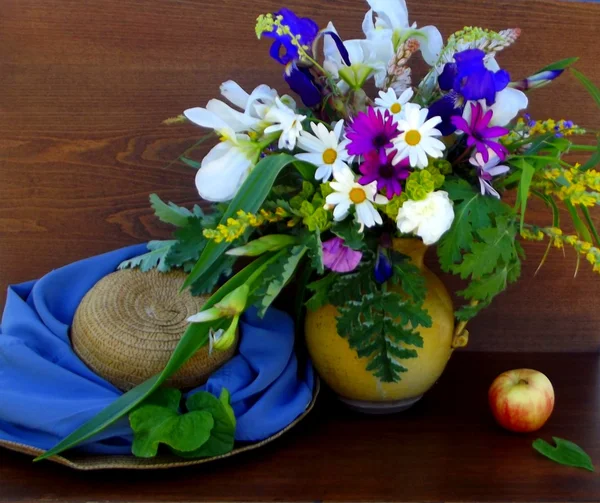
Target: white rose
{"x": 428, "y": 219}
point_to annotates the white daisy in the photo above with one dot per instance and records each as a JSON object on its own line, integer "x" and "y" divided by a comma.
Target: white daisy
{"x": 285, "y": 120}
{"x": 348, "y": 193}
{"x": 418, "y": 139}
{"x": 325, "y": 150}
{"x": 394, "y": 104}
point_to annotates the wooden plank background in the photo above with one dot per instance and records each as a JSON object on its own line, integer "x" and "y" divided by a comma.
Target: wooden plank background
{"x": 84, "y": 86}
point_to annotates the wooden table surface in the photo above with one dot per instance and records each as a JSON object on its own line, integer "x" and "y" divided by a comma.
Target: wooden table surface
{"x": 84, "y": 86}
{"x": 446, "y": 448}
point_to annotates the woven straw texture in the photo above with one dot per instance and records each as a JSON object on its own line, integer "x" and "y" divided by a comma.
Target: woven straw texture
{"x": 128, "y": 325}
{"x": 162, "y": 461}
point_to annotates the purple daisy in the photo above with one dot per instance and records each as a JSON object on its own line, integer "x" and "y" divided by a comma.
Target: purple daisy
{"x": 370, "y": 131}
{"x": 480, "y": 134}
{"x": 338, "y": 257}
{"x": 379, "y": 167}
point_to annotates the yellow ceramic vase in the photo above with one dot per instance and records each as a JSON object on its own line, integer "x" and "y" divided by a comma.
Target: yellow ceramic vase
{"x": 341, "y": 368}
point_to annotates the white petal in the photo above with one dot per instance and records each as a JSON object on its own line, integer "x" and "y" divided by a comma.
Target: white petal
{"x": 316, "y": 159}
{"x": 202, "y": 117}
{"x": 237, "y": 121}
{"x": 222, "y": 173}
{"x": 498, "y": 170}
{"x": 324, "y": 173}
{"x": 337, "y": 130}
{"x": 508, "y": 104}
{"x": 233, "y": 93}
{"x": 413, "y": 157}
{"x": 364, "y": 214}
{"x": 392, "y": 13}
{"x": 431, "y": 42}
{"x": 341, "y": 211}
{"x": 406, "y": 95}
{"x": 430, "y": 124}
{"x": 309, "y": 143}
{"x": 336, "y": 198}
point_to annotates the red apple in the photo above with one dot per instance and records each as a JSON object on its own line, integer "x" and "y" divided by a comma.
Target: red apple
{"x": 521, "y": 400}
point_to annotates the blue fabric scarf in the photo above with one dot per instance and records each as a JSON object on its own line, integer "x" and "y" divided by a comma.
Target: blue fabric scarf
{"x": 46, "y": 391}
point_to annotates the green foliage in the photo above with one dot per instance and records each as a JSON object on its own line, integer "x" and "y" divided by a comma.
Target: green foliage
{"x": 381, "y": 325}
{"x": 348, "y": 230}
{"x": 563, "y": 64}
{"x": 222, "y": 268}
{"x": 206, "y": 429}
{"x": 315, "y": 252}
{"x": 249, "y": 198}
{"x": 154, "y": 259}
{"x": 480, "y": 246}
{"x": 170, "y": 213}
{"x": 590, "y": 87}
{"x": 277, "y": 276}
{"x": 527, "y": 172}
{"x": 565, "y": 453}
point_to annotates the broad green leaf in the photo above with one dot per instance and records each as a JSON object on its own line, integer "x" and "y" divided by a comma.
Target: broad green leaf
{"x": 169, "y": 213}
{"x": 195, "y": 336}
{"x": 154, "y": 259}
{"x": 348, "y": 230}
{"x": 279, "y": 273}
{"x": 565, "y": 453}
{"x": 588, "y": 84}
{"x": 153, "y": 425}
{"x": 527, "y": 172}
{"x": 264, "y": 244}
{"x": 563, "y": 64}
{"x": 306, "y": 169}
{"x": 222, "y": 435}
{"x": 249, "y": 198}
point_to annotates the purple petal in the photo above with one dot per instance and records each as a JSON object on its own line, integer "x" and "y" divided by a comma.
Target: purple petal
{"x": 338, "y": 257}
{"x": 460, "y": 123}
{"x": 340, "y": 46}
{"x": 494, "y": 132}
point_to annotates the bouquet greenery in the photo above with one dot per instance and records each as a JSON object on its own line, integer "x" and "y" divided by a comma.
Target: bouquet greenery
{"x": 315, "y": 192}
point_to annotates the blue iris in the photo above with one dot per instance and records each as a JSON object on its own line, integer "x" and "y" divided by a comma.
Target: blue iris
{"x": 383, "y": 267}
{"x": 466, "y": 80}
{"x": 303, "y": 26}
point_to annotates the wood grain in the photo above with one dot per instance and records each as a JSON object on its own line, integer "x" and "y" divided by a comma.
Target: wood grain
{"x": 446, "y": 448}
{"x": 84, "y": 87}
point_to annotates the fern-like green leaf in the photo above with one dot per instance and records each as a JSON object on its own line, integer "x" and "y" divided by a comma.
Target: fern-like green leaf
{"x": 154, "y": 259}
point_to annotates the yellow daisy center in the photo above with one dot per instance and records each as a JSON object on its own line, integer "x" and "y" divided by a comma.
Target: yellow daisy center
{"x": 396, "y": 108}
{"x": 413, "y": 137}
{"x": 329, "y": 156}
{"x": 357, "y": 195}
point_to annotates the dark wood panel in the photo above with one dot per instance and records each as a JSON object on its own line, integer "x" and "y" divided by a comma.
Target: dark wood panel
{"x": 447, "y": 448}
{"x": 84, "y": 87}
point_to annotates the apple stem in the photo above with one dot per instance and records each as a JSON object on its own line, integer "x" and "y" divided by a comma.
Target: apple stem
{"x": 523, "y": 381}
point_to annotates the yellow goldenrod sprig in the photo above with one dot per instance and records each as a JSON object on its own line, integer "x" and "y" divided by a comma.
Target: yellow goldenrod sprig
{"x": 572, "y": 184}
{"x": 235, "y": 227}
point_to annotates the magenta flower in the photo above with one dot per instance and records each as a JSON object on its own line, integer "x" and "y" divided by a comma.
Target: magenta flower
{"x": 371, "y": 131}
{"x": 338, "y": 257}
{"x": 480, "y": 134}
{"x": 379, "y": 167}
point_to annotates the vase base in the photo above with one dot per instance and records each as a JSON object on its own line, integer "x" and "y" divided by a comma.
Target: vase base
{"x": 391, "y": 407}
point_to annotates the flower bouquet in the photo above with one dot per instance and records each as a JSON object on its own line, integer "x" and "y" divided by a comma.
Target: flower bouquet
{"x": 322, "y": 193}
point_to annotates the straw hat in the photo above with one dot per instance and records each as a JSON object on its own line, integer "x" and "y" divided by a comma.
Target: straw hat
{"x": 128, "y": 325}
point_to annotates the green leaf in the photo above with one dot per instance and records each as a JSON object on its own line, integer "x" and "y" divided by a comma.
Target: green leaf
{"x": 278, "y": 274}
{"x": 320, "y": 288}
{"x": 249, "y": 198}
{"x": 190, "y": 162}
{"x": 590, "y": 224}
{"x": 348, "y": 230}
{"x": 195, "y": 336}
{"x": 189, "y": 242}
{"x": 169, "y": 213}
{"x": 594, "y": 159}
{"x": 580, "y": 227}
{"x": 315, "y": 251}
{"x": 565, "y": 453}
{"x": 552, "y": 205}
{"x": 588, "y": 84}
{"x": 154, "y": 259}
{"x": 527, "y": 172}
{"x": 264, "y": 244}
{"x": 221, "y": 269}
{"x": 221, "y": 439}
{"x": 306, "y": 169}
{"x": 154, "y": 424}
{"x": 563, "y": 64}
{"x": 408, "y": 277}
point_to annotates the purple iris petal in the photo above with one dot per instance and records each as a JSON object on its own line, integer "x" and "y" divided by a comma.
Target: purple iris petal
{"x": 371, "y": 131}
{"x": 340, "y": 46}
{"x": 445, "y": 108}
{"x": 479, "y": 134}
{"x": 378, "y": 166}
{"x": 338, "y": 257}
{"x": 303, "y": 84}
{"x": 538, "y": 80}
{"x": 305, "y": 27}
{"x": 471, "y": 79}
{"x": 383, "y": 267}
